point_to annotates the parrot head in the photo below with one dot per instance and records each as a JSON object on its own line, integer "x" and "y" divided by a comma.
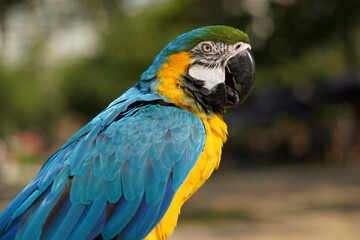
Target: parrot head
{"x": 200, "y": 69}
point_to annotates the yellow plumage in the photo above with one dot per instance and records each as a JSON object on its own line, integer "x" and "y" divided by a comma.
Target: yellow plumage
{"x": 216, "y": 132}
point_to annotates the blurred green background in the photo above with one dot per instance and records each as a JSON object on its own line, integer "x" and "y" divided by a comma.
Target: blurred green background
{"x": 291, "y": 164}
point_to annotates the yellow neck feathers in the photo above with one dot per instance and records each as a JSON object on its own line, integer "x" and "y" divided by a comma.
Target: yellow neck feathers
{"x": 170, "y": 84}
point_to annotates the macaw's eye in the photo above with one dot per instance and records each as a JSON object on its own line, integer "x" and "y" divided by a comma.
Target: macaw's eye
{"x": 206, "y": 47}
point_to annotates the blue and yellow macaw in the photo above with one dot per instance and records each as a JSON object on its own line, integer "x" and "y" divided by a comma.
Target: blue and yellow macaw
{"x": 126, "y": 174}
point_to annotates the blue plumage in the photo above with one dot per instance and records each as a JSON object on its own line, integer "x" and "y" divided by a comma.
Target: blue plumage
{"x": 133, "y": 155}
{"x": 90, "y": 218}
{"x": 117, "y": 176}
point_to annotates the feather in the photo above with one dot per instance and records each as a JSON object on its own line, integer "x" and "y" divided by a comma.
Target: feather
{"x": 99, "y": 226}
{"x": 162, "y": 172}
{"x": 104, "y": 145}
{"x": 168, "y": 196}
{"x": 108, "y": 116}
{"x": 60, "y": 180}
{"x": 26, "y": 204}
{"x": 51, "y": 168}
{"x": 137, "y": 159}
{"x": 95, "y": 186}
{"x": 114, "y": 189}
{"x": 98, "y": 168}
{"x": 122, "y": 215}
{"x": 155, "y": 187}
{"x": 111, "y": 166}
{"x": 133, "y": 183}
{"x": 91, "y": 218}
{"x": 123, "y": 153}
{"x": 179, "y": 173}
{"x": 5, "y": 216}
{"x": 76, "y": 189}
{"x": 96, "y": 128}
{"x": 173, "y": 155}
{"x": 33, "y": 227}
{"x": 179, "y": 147}
{"x": 68, "y": 222}
{"x": 78, "y": 156}
{"x": 156, "y": 150}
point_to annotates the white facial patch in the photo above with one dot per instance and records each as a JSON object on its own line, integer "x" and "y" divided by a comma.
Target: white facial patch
{"x": 214, "y": 76}
{"x": 210, "y": 76}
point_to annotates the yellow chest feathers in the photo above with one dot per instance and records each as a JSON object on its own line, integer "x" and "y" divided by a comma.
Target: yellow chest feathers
{"x": 216, "y": 132}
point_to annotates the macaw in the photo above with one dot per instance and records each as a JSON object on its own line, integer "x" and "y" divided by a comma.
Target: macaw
{"x": 126, "y": 174}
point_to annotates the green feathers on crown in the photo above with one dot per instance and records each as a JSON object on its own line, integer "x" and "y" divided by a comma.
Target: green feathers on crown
{"x": 224, "y": 34}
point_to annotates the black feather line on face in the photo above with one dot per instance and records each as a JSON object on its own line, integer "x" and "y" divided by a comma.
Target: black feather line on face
{"x": 214, "y": 64}
{"x": 210, "y": 101}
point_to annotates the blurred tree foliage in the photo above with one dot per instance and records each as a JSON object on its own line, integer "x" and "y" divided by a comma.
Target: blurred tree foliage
{"x": 294, "y": 42}
{"x": 310, "y": 39}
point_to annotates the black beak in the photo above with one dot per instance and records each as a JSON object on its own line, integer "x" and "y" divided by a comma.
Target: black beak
{"x": 241, "y": 69}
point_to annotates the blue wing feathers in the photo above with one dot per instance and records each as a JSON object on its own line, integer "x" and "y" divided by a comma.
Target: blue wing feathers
{"x": 52, "y": 170}
{"x": 6, "y": 216}
{"x": 104, "y": 145}
{"x": 172, "y": 155}
{"x": 168, "y": 196}
{"x": 26, "y": 204}
{"x": 152, "y": 215}
{"x": 98, "y": 168}
{"x": 11, "y": 234}
{"x": 33, "y": 227}
{"x": 99, "y": 226}
{"x": 68, "y": 222}
{"x": 112, "y": 166}
{"x": 133, "y": 182}
{"x": 155, "y": 187}
{"x": 162, "y": 171}
{"x": 95, "y": 186}
{"x": 91, "y": 218}
{"x": 132, "y": 156}
{"x": 60, "y": 180}
{"x": 137, "y": 160}
{"x": 179, "y": 146}
{"x": 79, "y": 221}
{"x": 123, "y": 153}
{"x": 84, "y": 167}
{"x": 109, "y": 115}
{"x": 179, "y": 173}
{"x": 135, "y": 220}
{"x": 78, "y": 182}
{"x": 58, "y": 218}
{"x": 114, "y": 189}
{"x": 124, "y": 213}
{"x": 82, "y": 153}
{"x": 156, "y": 150}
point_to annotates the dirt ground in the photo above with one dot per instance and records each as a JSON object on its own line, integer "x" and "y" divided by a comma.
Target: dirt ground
{"x": 270, "y": 204}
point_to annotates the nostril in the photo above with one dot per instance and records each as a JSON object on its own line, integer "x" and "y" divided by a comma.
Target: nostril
{"x": 237, "y": 46}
